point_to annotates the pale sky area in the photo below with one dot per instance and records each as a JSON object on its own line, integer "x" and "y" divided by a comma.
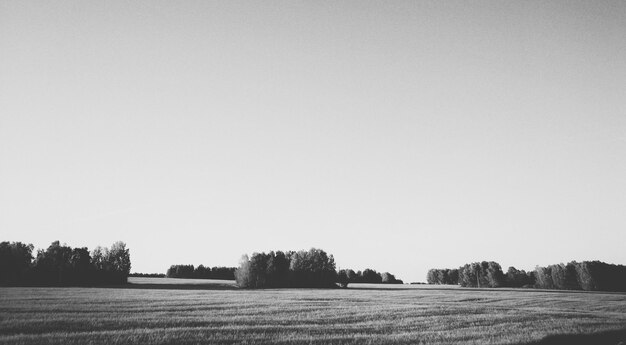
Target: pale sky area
{"x": 396, "y": 135}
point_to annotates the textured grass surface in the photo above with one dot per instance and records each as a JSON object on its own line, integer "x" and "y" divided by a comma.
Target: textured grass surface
{"x": 360, "y": 315}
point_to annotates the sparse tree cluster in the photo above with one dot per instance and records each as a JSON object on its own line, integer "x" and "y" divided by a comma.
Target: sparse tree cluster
{"x": 147, "y": 275}
{"x": 481, "y": 274}
{"x": 477, "y": 274}
{"x": 61, "y": 265}
{"x": 519, "y": 278}
{"x": 443, "y": 276}
{"x": 15, "y": 262}
{"x": 368, "y": 275}
{"x": 312, "y": 268}
{"x": 201, "y": 272}
{"x": 586, "y": 275}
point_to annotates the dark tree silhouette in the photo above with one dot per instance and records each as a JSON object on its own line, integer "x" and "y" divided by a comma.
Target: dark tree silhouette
{"x": 342, "y": 278}
{"x": 517, "y": 278}
{"x": 312, "y": 268}
{"x": 201, "y": 272}
{"x": 61, "y": 265}
{"x": 15, "y": 261}
{"x": 586, "y": 275}
{"x": 481, "y": 274}
{"x": 371, "y": 276}
{"x": 443, "y": 276}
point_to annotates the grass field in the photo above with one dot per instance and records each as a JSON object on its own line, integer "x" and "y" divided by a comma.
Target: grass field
{"x": 173, "y": 311}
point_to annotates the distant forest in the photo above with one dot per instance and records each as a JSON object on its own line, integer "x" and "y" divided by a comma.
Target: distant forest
{"x": 586, "y": 275}
{"x": 61, "y": 265}
{"x": 201, "y": 272}
{"x": 312, "y": 268}
{"x": 368, "y": 275}
{"x": 147, "y": 275}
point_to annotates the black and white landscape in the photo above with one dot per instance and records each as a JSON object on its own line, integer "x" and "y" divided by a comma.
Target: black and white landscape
{"x": 312, "y": 172}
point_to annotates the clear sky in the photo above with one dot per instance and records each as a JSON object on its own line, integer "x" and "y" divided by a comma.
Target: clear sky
{"x": 396, "y": 135}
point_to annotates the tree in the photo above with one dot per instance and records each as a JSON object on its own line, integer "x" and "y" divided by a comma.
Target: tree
{"x": 98, "y": 256}
{"x": 469, "y": 275}
{"x": 242, "y": 274}
{"x": 352, "y": 276}
{"x": 312, "y": 268}
{"x": 342, "y": 278}
{"x": 62, "y": 265}
{"x": 277, "y": 269}
{"x": 119, "y": 259}
{"x": 80, "y": 267}
{"x": 387, "y": 278}
{"x": 53, "y": 264}
{"x": 544, "y": 278}
{"x": 15, "y": 260}
{"x": 453, "y": 276}
{"x": 431, "y": 276}
{"x": 202, "y": 272}
{"x": 443, "y": 276}
{"x": 494, "y": 274}
{"x": 517, "y": 278}
{"x": 371, "y": 276}
{"x": 258, "y": 269}
{"x": 564, "y": 277}
{"x": 480, "y": 274}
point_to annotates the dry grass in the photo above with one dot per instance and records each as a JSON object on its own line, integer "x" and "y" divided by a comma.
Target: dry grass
{"x": 154, "y": 313}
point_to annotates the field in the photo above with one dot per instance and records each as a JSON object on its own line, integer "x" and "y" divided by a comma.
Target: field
{"x": 173, "y": 311}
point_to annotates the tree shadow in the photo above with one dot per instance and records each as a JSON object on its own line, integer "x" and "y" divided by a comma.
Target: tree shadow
{"x": 617, "y": 337}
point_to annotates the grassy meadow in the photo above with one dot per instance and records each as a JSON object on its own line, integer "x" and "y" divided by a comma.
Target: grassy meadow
{"x": 174, "y": 311}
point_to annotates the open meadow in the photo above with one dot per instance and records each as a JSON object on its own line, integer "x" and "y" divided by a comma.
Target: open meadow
{"x": 174, "y": 311}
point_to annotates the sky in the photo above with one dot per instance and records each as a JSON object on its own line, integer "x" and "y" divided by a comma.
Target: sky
{"x": 398, "y": 136}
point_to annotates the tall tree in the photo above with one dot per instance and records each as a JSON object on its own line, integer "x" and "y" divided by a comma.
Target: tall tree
{"x": 15, "y": 260}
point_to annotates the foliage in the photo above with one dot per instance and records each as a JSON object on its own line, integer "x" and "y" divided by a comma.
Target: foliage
{"x": 586, "y": 275}
{"x": 15, "y": 260}
{"x": 147, "y": 275}
{"x": 201, "y": 272}
{"x": 443, "y": 276}
{"x": 342, "y": 278}
{"x": 519, "y": 278}
{"x": 371, "y": 276}
{"x": 61, "y": 265}
{"x": 312, "y": 268}
{"x": 388, "y": 278}
{"x": 481, "y": 274}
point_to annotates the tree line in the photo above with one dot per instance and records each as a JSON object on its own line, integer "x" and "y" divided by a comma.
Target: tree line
{"x": 586, "y": 275}
{"x": 147, "y": 275}
{"x": 62, "y": 265}
{"x": 201, "y": 272}
{"x": 347, "y": 276}
{"x": 313, "y": 268}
